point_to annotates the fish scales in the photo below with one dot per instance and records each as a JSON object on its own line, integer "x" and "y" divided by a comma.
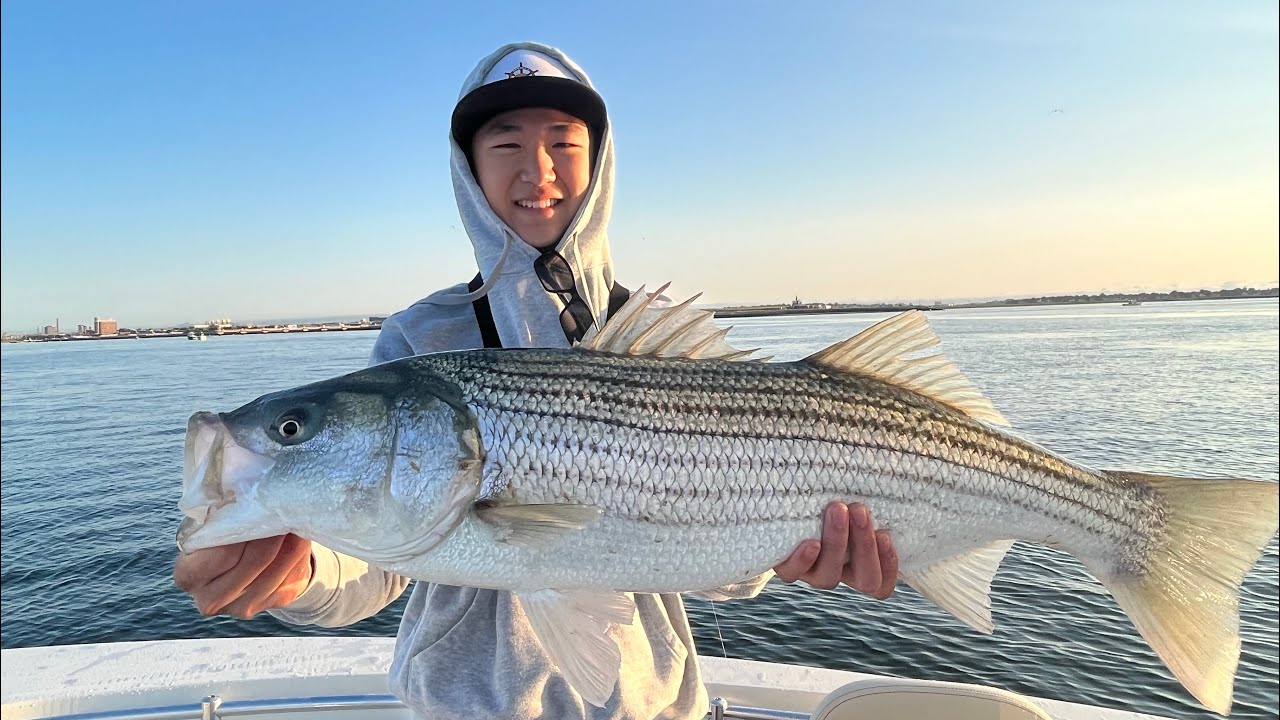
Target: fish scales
{"x": 712, "y": 443}
{"x": 805, "y": 400}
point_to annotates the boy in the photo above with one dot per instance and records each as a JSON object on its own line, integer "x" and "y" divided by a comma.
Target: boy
{"x": 532, "y": 163}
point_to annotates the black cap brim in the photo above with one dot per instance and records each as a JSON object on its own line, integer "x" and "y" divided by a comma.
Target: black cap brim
{"x": 568, "y": 96}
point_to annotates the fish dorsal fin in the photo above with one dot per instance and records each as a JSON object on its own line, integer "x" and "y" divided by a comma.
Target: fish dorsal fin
{"x": 639, "y": 328}
{"x": 880, "y": 351}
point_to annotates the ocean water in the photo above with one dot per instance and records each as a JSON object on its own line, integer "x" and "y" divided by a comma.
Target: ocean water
{"x": 92, "y": 454}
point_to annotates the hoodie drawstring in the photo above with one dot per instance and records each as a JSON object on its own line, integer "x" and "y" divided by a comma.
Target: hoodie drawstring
{"x": 579, "y": 276}
{"x": 488, "y": 281}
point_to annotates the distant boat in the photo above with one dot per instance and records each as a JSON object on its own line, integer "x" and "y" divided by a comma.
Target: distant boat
{"x": 195, "y": 336}
{"x": 1131, "y": 303}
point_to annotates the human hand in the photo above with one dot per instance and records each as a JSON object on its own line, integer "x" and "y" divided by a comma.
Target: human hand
{"x": 851, "y": 551}
{"x": 243, "y": 579}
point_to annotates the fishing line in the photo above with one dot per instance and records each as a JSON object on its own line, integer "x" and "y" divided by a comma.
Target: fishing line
{"x": 719, "y": 634}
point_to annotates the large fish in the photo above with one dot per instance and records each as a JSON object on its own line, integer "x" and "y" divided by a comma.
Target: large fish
{"x": 652, "y": 459}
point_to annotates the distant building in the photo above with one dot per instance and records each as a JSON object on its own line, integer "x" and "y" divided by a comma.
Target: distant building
{"x": 83, "y": 329}
{"x": 213, "y": 325}
{"x": 798, "y": 304}
{"x": 105, "y": 326}
{"x": 50, "y": 329}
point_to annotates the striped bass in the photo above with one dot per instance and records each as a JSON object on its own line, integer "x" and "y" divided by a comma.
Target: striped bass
{"x": 653, "y": 458}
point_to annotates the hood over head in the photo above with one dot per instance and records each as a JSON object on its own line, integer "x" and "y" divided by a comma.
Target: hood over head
{"x": 524, "y": 313}
{"x": 522, "y": 78}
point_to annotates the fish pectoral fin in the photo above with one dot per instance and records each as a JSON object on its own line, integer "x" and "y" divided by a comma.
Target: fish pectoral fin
{"x": 881, "y": 352}
{"x": 536, "y": 524}
{"x": 961, "y": 584}
{"x": 573, "y": 627}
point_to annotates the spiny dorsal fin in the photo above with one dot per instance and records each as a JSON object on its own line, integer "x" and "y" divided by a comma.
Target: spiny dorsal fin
{"x": 642, "y": 327}
{"x": 880, "y": 351}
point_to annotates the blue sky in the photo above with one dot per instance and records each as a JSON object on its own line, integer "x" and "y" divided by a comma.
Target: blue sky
{"x": 174, "y": 162}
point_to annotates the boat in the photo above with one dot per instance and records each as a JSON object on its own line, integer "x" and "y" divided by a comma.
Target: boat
{"x": 346, "y": 678}
{"x": 1131, "y": 303}
{"x": 195, "y": 336}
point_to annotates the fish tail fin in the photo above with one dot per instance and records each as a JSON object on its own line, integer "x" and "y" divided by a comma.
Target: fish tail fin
{"x": 1185, "y": 602}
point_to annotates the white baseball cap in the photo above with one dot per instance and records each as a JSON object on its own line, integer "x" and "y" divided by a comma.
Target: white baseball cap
{"x": 526, "y": 78}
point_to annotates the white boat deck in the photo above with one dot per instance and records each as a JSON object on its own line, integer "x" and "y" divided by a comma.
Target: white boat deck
{"x": 336, "y": 679}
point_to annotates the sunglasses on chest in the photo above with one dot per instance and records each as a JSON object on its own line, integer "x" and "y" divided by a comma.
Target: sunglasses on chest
{"x": 557, "y": 278}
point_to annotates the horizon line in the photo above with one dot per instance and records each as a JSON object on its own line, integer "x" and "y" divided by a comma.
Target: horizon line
{"x": 345, "y": 317}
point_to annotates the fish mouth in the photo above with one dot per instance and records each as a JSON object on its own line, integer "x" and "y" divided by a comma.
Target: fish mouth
{"x": 219, "y": 481}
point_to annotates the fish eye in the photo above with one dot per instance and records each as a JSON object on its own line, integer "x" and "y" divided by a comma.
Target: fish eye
{"x": 293, "y": 426}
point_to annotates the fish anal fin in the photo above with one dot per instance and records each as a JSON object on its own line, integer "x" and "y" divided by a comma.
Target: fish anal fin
{"x": 961, "y": 584}
{"x": 536, "y": 524}
{"x": 1185, "y": 602}
{"x": 573, "y": 627}
{"x": 642, "y": 328}
{"x": 881, "y": 352}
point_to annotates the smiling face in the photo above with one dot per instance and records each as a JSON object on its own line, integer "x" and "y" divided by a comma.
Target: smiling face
{"x": 534, "y": 166}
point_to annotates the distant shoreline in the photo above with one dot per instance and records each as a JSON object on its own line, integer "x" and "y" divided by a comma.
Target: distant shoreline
{"x": 201, "y": 334}
{"x": 834, "y": 309}
{"x": 724, "y": 312}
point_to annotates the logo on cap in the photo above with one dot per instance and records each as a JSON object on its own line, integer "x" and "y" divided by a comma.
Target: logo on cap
{"x": 522, "y": 71}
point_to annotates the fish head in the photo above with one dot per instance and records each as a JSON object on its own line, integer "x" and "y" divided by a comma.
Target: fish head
{"x": 373, "y": 464}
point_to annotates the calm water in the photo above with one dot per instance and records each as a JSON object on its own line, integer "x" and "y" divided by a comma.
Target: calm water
{"x": 92, "y": 454}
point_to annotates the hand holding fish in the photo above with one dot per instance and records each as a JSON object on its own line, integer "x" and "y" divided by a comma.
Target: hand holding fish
{"x": 852, "y": 551}
{"x": 243, "y": 579}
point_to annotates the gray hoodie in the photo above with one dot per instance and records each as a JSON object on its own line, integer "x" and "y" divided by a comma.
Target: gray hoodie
{"x": 470, "y": 653}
